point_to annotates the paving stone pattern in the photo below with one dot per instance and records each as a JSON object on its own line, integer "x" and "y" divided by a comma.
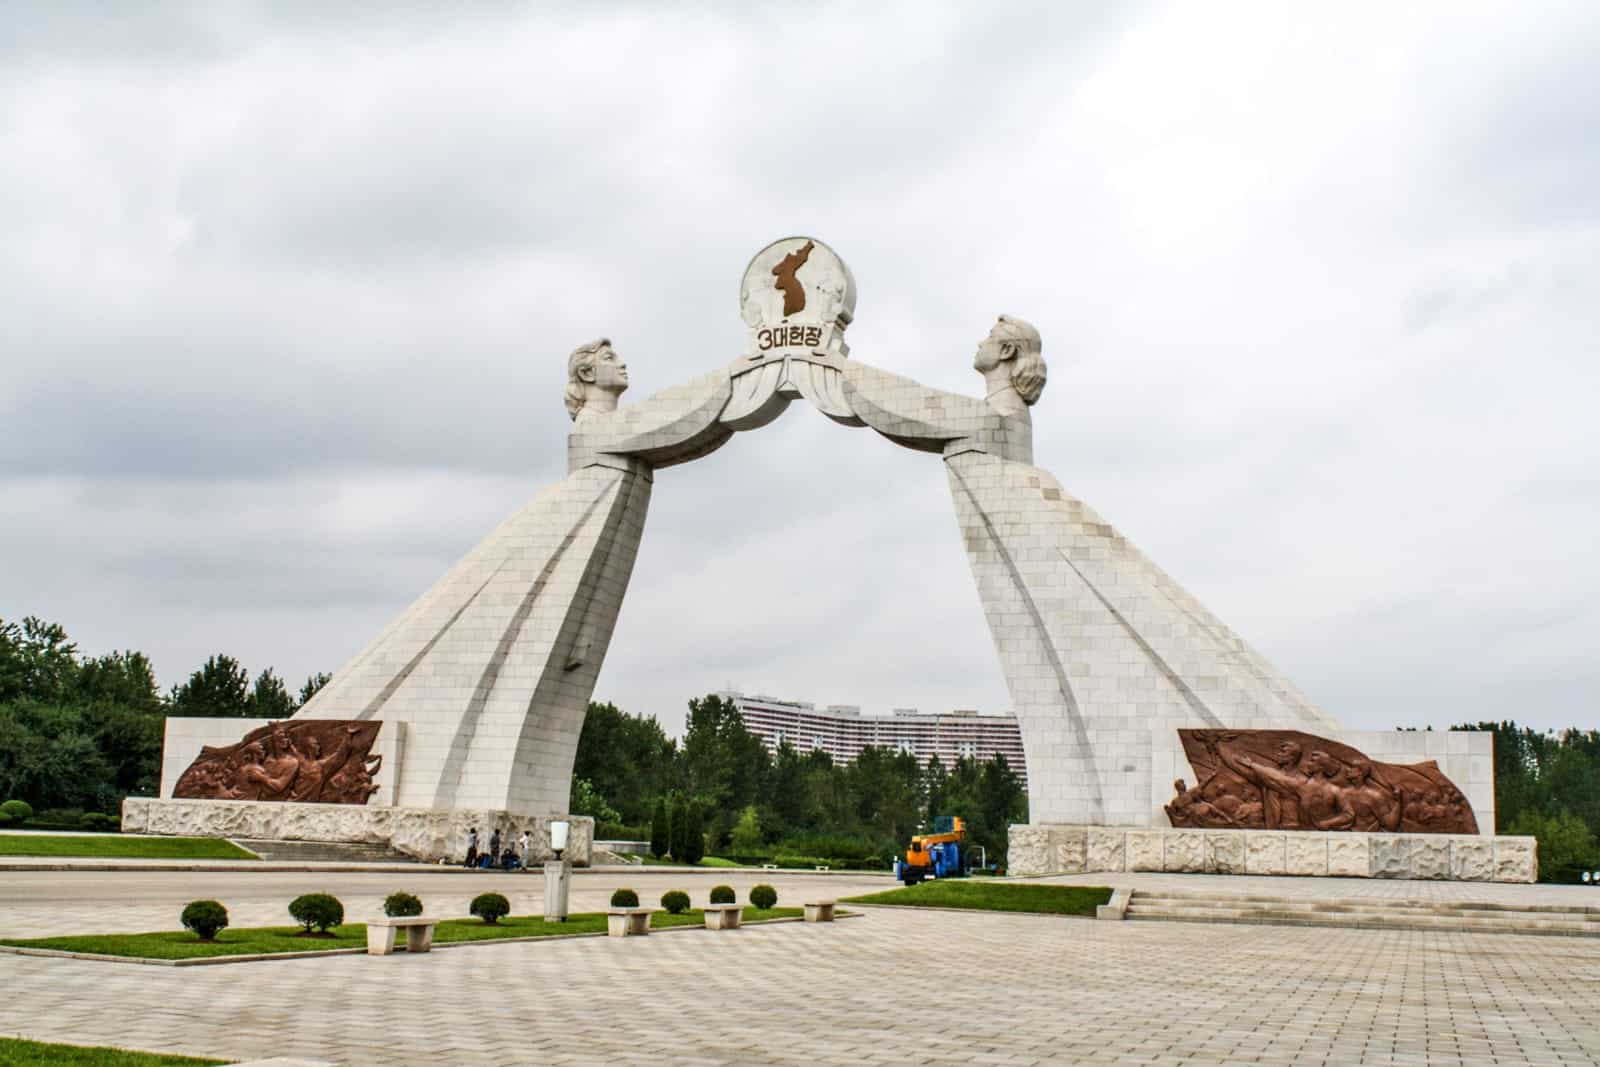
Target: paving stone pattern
{"x": 896, "y": 985}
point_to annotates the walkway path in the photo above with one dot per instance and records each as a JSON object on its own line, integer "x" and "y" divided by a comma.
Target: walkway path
{"x": 890, "y": 987}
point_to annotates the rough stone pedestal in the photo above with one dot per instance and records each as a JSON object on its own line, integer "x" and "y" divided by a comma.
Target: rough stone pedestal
{"x": 1044, "y": 848}
{"x": 428, "y": 834}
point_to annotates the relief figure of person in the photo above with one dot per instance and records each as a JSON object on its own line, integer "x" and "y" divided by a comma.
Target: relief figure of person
{"x": 1322, "y": 800}
{"x": 1190, "y": 808}
{"x": 1376, "y": 804}
{"x": 1281, "y": 811}
{"x": 274, "y": 774}
{"x": 315, "y": 768}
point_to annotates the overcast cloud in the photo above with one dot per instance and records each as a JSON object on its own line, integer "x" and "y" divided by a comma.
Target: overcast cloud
{"x": 286, "y": 293}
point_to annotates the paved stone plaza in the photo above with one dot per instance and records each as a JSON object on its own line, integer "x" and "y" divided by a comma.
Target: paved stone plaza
{"x": 890, "y": 987}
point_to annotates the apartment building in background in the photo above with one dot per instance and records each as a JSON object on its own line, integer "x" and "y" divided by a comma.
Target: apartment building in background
{"x": 842, "y": 731}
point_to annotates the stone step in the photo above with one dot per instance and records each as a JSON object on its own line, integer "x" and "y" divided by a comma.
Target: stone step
{"x": 1355, "y": 907}
{"x": 1188, "y": 895}
{"x": 322, "y": 852}
{"x": 1372, "y": 922}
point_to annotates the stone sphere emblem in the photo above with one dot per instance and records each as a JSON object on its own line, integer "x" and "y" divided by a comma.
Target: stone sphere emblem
{"x": 797, "y": 295}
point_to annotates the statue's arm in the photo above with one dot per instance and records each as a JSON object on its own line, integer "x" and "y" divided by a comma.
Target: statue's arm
{"x": 910, "y": 413}
{"x": 669, "y": 427}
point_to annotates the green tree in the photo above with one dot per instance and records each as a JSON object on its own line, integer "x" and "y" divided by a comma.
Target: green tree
{"x": 314, "y": 685}
{"x": 935, "y": 782}
{"x": 586, "y": 800}
{"x": 694, "y": 834}
{"x": 747, "y": 838}
{"x": 221, "y": 688}
{"x": 1566, "y": 844}
{"x": 37, "y": 661}
{"x": 723, "y": 764}
{"x": 660, "y": 833}
{"x": 678, "y": 820}
{"x": 270, "y": 698}
{"x": 629, "y": 760}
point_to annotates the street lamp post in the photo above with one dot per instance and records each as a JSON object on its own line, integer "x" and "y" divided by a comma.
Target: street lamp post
{"x": 557, "y": 873}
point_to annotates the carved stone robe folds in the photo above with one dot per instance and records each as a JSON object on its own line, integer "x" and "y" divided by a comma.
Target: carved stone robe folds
{"x": 1098, "y": 645}
{"x": 493, "y": 667}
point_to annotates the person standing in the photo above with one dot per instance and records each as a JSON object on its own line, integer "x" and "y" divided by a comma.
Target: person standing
{"x": 494, "y": 848}
{"x": 472, "y": 847}
{"x": 524, "y": 847}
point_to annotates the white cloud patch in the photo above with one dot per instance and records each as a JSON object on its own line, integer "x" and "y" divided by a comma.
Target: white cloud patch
{"x": 286, "y": 295}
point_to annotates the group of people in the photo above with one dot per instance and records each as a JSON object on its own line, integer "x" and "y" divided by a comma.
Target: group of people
{"x": 509, "y": 858}
{"x": 1298, "y": 790}
{"x": 287, "y": 761}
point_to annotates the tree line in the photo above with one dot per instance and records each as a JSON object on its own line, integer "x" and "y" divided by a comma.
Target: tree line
{"x": 722, "y": 789}
{"x": 79, "y": 733}
{"x": 1547, "y": 785}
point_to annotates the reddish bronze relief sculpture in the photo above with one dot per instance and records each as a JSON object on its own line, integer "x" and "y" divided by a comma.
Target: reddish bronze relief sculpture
{"x": 1287, "y": 780}
{"x": 318, "y": 761}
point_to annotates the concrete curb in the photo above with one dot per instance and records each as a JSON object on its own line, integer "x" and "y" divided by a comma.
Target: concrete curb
{"x": 339, "y": 867}
{"x": 1117, "y": 907}
{"x": 968, "y": 911}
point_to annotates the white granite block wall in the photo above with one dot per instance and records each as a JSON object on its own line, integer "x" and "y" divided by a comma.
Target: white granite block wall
{"x": 1099, "y": 647}
{"x": 493, "y": 667}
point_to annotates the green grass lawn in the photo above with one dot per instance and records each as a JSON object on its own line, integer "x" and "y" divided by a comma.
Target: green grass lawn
{"x": 182, "y": 945}
{"x": 121, "y": 847}
{"x": 994, "y": 896}
{"x": 708, "y": 861}
{"x": 15, "y": 1052}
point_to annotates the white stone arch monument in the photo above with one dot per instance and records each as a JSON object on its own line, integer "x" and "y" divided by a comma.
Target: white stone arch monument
{"x": 492, "y": 669}
{"x": 488, "y": 675}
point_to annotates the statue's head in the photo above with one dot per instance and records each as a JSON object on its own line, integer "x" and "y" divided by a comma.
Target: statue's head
{"x": 1319, "y": 762}
{"x": 1356, "y": 772}
{"x": 1015, "y": 344}
{"x": 1288, "y": 753}
{"x": 595, "y": 375}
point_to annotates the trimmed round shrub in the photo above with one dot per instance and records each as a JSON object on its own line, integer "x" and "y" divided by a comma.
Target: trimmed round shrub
{"x": 723, "y": 894}
{"x": 99, "y": 822}
{"x": 317, "y": 910}
{"x": 401, "y": 905}
{"x": 490, "y": 907}
{"x": 763, "y": 896}
{"x": 676, "y": 901}
{"x": 205, "y": 918}
{"x": 17, "y": 810}
{"x": 624, "y": 898}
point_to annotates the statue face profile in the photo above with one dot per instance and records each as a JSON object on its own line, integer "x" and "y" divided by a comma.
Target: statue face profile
{"x": 1319, "y": 762}
{"x": 596, "y": 376}
{"x": 1009, "y": 357}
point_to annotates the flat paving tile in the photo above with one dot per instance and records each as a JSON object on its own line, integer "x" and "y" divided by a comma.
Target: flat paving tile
{"x": 962, "y": 988}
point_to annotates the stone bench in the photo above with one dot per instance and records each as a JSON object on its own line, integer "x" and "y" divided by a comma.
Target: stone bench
{"x": 769, "y": 866}
{"x": 723, "y": 916}
{"x": 627, "y": 922}
{"x": 822, "y": 867}
{"x": 819, "y": 911}
{"x": 381, "y": 933}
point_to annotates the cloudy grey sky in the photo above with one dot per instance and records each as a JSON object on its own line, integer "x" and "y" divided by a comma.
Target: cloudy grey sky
{"x": 286, "y": 292}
